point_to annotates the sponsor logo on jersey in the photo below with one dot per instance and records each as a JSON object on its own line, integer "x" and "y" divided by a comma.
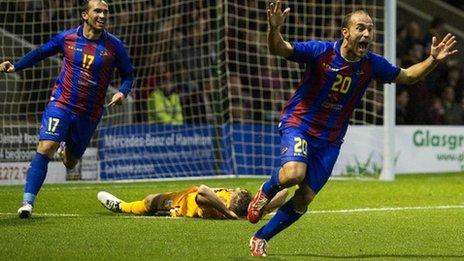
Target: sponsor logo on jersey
{"x": 333, "y": 69}
{"x": 283, "y": 150}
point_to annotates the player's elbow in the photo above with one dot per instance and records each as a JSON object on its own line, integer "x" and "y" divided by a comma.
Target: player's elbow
{"x": 203, "y": 190}
{"x": 284, "y": 50}
{"x": 407, "y": 77}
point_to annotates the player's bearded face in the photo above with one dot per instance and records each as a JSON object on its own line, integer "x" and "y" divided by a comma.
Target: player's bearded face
{"x": 97, "y": 15}
{"x": 359, "y": 35}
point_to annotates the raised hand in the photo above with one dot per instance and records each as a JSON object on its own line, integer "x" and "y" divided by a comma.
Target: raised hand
{"x": 7, "y": 67}
{"x": 442, "y": 50}
{"x": 275, "y": 16}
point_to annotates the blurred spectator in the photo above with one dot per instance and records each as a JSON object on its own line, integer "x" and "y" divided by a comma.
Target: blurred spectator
{"x": 419, "y": 103}
{"x": 401, "y": 36}
{"x": 455, "y": 80}
{"x": 453, "y": 111}
{"x": 164, "y": 105}
{"x": 415, "y": 54}
{"x": 273, "y": 90}
{"x": 197, "y": 99}
{"x": 414, "y": 34}
{"x": 240, "y": 100}
{"x": 182, "y": 46}
{"x": 434, "y": 100}
{"x": 436, "y": 29}
{"x": 437, "y": 112}
{"x": 402, "y": 100}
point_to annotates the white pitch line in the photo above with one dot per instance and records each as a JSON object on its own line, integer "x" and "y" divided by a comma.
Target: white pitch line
{"x": 334, "y": 211}
{"x": 45, "y": 215}
{"x": 385, "y": 209}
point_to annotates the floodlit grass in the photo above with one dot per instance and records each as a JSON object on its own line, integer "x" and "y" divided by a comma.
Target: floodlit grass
{"x": 414, "y": 217}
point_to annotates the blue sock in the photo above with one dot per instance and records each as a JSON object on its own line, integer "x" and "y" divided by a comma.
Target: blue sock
{"x": 35, "y": 177}
{"x": 272, "y": 186}
{"x": 285, "y": 216}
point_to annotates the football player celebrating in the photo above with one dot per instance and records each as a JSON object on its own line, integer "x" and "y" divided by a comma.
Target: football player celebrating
{"x": 90, "y": 55}
{"x": 314, "y": 121}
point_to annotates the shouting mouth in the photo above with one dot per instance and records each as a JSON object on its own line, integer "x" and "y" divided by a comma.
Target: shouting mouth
{"x": 363, "y": 45}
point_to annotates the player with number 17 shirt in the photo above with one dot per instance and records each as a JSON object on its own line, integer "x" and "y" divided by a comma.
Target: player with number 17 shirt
{"x": 90, "y": 55}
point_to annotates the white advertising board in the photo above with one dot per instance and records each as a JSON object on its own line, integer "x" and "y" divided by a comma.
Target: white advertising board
{"x": 418, "y": 149}
{"x": 13, "y": 173}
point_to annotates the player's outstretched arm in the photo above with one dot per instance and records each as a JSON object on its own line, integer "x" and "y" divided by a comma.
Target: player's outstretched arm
{"x": 276, "y": 43}
{"x": 277, "y": 201}
{"x": 207, "y": 197}
{"x": 7, "y": 66}
{"x": 438, "y": 52}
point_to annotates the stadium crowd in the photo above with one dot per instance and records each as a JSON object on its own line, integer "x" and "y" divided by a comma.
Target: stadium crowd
{"x": 438, "y": 99}
{"x": 178, "y": 52}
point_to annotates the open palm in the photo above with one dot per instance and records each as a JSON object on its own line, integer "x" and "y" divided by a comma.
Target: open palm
{"x": 442, "y": 50}
{"x": 275, "y": 16}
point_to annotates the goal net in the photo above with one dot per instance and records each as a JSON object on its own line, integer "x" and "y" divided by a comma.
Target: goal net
{"x": 207, "y": 96}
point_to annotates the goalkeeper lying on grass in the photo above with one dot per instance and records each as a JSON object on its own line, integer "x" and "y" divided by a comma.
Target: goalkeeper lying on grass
{"x": 199, "y": 202}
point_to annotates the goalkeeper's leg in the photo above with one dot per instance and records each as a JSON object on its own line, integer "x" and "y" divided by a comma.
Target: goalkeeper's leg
{"x": 159, "y": 204}
{"x": 115, "y": 204}
{"x": 153, "y": 204}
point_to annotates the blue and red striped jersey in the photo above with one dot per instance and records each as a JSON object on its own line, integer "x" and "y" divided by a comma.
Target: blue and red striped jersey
{"x": 331, "y": 88}
{"x": 86, "y": 70}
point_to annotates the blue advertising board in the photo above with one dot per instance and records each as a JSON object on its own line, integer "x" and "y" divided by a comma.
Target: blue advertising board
{"x": 141, "y": 151}
{"x": 155, "y": 151}
{"x": 255, "y": 148}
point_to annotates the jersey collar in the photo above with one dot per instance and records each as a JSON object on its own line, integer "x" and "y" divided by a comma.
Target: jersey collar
{"x": 338, "y": 44}
{"x": 80, "y": 32}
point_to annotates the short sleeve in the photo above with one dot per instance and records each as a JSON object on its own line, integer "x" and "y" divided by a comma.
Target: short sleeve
{"x": 306, "y": 52}
{"x": 383, "y": 70}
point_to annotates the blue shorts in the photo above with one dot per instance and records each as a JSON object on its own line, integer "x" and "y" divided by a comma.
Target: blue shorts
{"x": 61, "y": 125}
{"x": 319, "y": 155}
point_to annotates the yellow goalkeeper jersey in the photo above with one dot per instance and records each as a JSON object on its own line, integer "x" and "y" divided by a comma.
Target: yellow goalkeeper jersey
{"x": 183, "y": 203}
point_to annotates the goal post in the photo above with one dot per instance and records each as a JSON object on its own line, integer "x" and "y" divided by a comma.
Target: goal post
{"x": 388, "y": 170}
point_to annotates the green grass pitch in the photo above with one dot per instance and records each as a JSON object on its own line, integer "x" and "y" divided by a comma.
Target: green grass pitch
{"x": 414, "y": 217}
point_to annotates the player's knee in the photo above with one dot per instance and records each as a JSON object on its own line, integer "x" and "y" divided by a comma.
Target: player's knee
{"x": 292, "y": 173}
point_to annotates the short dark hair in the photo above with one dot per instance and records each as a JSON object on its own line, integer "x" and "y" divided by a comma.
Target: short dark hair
{"x": 347, "y": 19}
{"x": 85, "y": 4}
{"x": 239, "y": 203}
